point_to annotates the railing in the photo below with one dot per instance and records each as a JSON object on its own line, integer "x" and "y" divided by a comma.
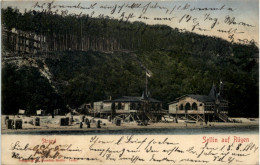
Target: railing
{"x": 222, "y": 116}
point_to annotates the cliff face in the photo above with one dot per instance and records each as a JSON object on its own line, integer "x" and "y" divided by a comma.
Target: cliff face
{"x": 29, "y": 62}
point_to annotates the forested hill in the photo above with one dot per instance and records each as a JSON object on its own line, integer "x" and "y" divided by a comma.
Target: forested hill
{"x": 87, "y": 33}
{"x": 83, "y": 72}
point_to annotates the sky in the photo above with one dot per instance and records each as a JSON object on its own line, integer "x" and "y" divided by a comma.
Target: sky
{"x": 232, "y": 20}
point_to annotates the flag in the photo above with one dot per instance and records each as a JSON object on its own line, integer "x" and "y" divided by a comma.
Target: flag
{"x": 147, "y": 74}
{"x": 142, "y": 97}
{"x": 221, "y": 84}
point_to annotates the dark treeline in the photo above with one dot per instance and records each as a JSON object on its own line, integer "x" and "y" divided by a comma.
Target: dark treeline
{"x": 103, "y": 34}
{"x": 181, "y": 63}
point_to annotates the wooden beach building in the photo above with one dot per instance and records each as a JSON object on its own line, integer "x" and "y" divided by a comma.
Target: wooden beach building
{"x": 130, "y": 108}
{"x": 210, "y": 107}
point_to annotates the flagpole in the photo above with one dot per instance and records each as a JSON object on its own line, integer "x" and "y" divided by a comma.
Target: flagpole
{"x": 146, "y": 84}
{"x": 220, "y": 86}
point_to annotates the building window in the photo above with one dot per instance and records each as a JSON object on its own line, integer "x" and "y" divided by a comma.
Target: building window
{"x": 139, "y": 107}
{"x": 194, "y": 106}
{"x": 212, "y": 108}
{"x": 181, "y": 107}
{"x": 153, "y": 107}
{"x": 123, "y": 106}
{"x": 132, "y": 106}
{"x": 119, "y": 105}
{"x": 200, "y": 104}
{"x": 187, "y": 106}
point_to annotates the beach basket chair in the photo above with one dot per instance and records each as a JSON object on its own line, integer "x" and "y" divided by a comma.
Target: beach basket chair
{"x": 37, "y": 121}
{"x": 10, "y": 123}
{"x": 62, "y": 121}
{"x": 18, "y": 124}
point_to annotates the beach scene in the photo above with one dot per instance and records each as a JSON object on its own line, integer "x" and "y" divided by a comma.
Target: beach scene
{"x": 130, "y": 82}
{"x": 128, "y": 67}
{"x": 48, "y": 125}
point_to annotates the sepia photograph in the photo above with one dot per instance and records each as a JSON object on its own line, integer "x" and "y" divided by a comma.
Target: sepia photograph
{"x": 130, "y": 82}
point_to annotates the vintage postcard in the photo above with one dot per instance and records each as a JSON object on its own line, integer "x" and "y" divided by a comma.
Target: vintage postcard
{"x": 130, "y": 82}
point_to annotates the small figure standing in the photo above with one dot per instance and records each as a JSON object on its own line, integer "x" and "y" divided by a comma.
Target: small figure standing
{"x": 12, "y": 124}
{"x": 98, "y": 124}
{"x": 88, "y": 124}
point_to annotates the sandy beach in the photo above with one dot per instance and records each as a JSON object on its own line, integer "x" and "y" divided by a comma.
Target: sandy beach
{"x": 47, "y": 123}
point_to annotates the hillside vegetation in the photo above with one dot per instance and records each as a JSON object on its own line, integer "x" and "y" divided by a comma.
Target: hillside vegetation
{"x": 181, "y": 63}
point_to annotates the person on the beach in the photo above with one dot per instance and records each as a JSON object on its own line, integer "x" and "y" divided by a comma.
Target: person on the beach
{"x": 12, "y": 124}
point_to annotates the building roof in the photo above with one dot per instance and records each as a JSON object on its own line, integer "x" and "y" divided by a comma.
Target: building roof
{"x": 83, "y": 106}
{"x": 211, "y": 98}
{"x": 173, "y": 102}
{"x": 133, "y": 99}
{"x": 201, "y": 98}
